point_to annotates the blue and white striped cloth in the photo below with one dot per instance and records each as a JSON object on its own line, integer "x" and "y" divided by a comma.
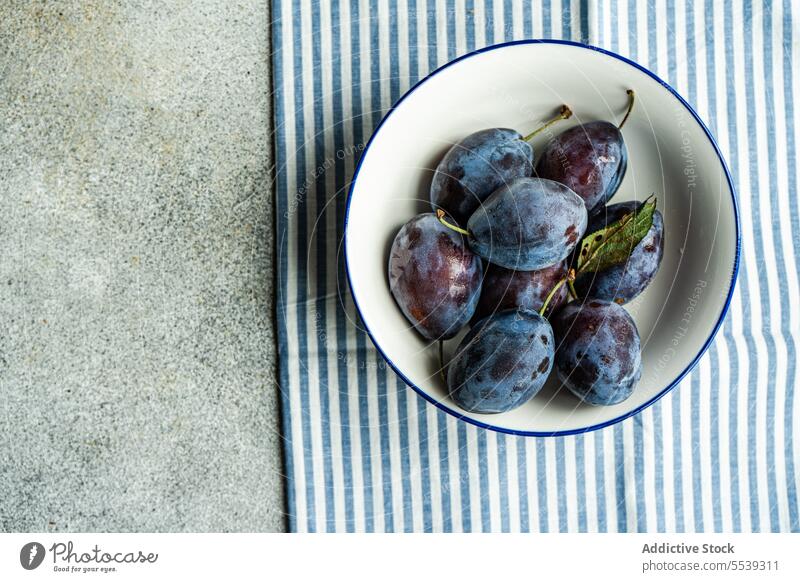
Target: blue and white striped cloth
{"x": 364, "y": 452}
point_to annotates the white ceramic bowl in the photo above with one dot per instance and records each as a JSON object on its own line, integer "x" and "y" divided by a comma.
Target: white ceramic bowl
{"x": 519, "y": 85}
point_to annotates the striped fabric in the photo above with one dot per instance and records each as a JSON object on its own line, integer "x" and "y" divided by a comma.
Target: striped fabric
{"x": 364, "y": 452}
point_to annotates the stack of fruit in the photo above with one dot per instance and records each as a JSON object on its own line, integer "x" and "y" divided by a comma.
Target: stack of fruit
{"x": 552, "y": 248}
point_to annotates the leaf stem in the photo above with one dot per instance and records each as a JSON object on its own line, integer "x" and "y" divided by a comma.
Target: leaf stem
{"x": 572, "y": 292}
{"x": 571, "y": 283}
{"x": 440, "y": 216}
{"x": 564, "y": 113}
{"x": 631, "y": 99}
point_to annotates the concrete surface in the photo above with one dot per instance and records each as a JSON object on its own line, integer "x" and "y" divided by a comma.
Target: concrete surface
{"x": 137, "y": 357}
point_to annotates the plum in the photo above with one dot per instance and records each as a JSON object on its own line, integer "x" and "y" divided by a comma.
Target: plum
{"x": 621, "y": 283}
{"x": 598, "y": 357}
{"x": 591, "y": 159}
{"x": 434, "y": 277}
{"x": 502, "y": 362}
{"x": 506, "y": 289}
{"x": 528, "y": 224}
{"x": 475, "y": 167}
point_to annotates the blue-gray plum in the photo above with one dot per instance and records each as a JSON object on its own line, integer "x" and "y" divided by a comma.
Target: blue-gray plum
{"x": 591, "y": 159}
{"x": 434, "y": 277}
{"x": 506, "y": 289}
{"x": 598, "y": 354}
{"x": 475, "y": 167}
{"x": 502, "y": 362}
{"x": 528, "y": 224}
{"x": 625, "y": 281}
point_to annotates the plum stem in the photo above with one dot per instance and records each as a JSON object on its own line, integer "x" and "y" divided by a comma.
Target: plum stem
{"x": 631, "y": 99}
{"x": 564, "y": 113}
{"x": 441, "y": 362}
{"x": 570, "y": 285}
{"x": 550, "y": 296}
{"x": 440, "y": 216}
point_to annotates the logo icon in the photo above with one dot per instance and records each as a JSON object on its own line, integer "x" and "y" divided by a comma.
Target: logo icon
{"x": 31, "y": 555}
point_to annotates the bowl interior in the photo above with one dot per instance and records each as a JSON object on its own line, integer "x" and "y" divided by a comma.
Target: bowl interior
{"x": 519, "y": 86}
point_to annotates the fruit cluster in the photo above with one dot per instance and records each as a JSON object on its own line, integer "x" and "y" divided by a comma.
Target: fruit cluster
{"x": 546, "y": 236}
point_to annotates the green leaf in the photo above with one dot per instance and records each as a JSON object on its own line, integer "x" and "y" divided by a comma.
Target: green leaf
{"x": 613, "y": 244}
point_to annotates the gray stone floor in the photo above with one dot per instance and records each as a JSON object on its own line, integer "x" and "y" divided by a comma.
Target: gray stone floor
{"x": 137, "y": 353}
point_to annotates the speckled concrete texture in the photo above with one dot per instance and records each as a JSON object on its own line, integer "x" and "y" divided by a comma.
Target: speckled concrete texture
{"x": 137, "y": 355}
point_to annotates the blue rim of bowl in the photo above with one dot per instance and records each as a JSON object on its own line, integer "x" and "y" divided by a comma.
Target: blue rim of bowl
{"x": 708, "y": 341}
